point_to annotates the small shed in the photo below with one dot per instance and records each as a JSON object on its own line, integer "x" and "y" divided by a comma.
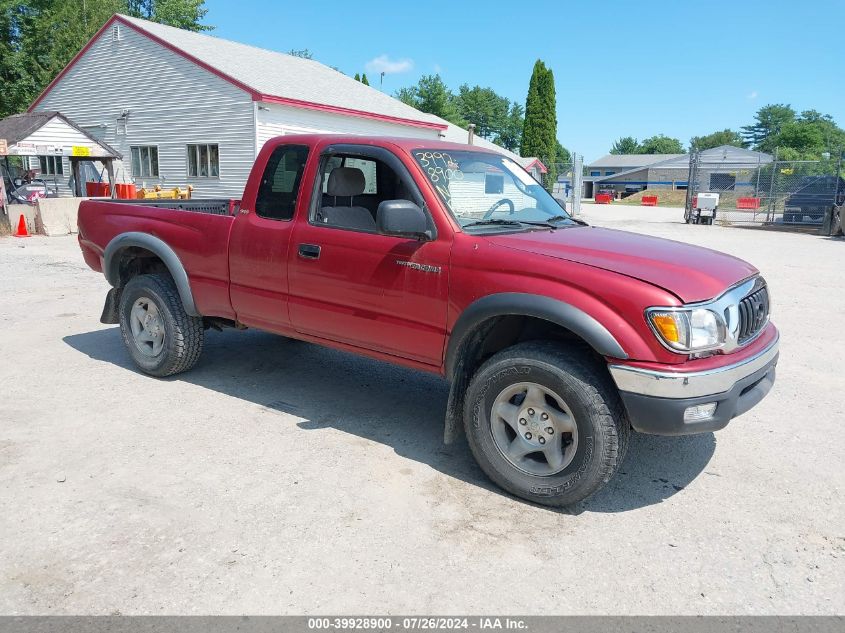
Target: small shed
{"x": 56, "y": 149}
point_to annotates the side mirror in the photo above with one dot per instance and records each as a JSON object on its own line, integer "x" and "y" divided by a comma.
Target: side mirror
{"x": 402, "y": 218}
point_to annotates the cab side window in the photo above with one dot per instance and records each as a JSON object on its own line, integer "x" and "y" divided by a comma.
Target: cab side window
{"x": 280, "y": 183}
{"x": 352, "y": 187}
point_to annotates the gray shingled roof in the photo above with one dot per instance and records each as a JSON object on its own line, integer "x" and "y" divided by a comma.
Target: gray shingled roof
{"x": 627, "y": 161}
{"x": 281, "y": 75}
{"x": 728, "y": 155}
{"x": 17, "y": 127}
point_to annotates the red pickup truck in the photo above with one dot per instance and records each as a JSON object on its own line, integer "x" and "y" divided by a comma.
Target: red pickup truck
{"x": 557, "y": 337}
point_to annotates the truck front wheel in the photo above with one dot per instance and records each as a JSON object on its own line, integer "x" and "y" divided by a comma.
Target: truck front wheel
{"x": 545, "y": 424}
{"x": 160, "y": 336}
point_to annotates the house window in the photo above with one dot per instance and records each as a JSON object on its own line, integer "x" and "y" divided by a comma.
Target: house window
{"x": 609, "y": 173}
{"x": 144, "y": 161}
{"x": 51, "y": 165}
{"x": 203, "y": 161}
{"x": 494, "y": 183}
{"x": 595, "y": 173}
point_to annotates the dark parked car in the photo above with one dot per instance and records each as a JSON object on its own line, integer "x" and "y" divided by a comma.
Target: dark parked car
{"x": 816, "y": 194}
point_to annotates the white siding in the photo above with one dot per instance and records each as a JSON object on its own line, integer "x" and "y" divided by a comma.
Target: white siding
{"x": 468, "y": 197}
{"x": 172, "y": 102}
{"x": 278, "y": 120}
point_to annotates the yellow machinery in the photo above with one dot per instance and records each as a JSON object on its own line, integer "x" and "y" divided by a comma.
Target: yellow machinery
{"x": 157, "y": 193}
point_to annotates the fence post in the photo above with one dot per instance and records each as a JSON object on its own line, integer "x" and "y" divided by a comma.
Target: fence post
{"x": 770, "y": 216}
{"x": 692, "y": 175}
{"x": 577, "y": 182}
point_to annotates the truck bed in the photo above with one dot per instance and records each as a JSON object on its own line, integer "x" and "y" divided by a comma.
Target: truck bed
{"x": 214, "y": 206}
{"x": 196, "y": 230}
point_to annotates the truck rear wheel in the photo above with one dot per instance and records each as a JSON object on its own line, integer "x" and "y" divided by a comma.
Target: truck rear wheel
{"x": 160, "y": 336}
{"x": 544, "y": 424}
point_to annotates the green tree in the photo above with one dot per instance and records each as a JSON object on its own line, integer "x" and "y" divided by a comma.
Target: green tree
{"x": 717, "y": 139}
{"x": 510, "y": 134}
{"x": 304, "y": 53}
{"x": 39, "y": 37}
{"x": 767, "y": 125}
{"x": 364, "y": 79}
{"x": 661, "y": 144}
{"x": 483, "y": 107}
{"x": 183, "y": 14}
{"x": 357, "y": 77}
{"x": 625, "y": 145}
{"x": 407, "y": 95}
{"x": 539, "y": 132}
{"x": 808, "y": 137}
{"x": 562, "y": 155}
{"x": 432, "y": 96}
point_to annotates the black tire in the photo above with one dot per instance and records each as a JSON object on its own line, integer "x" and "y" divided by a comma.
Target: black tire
{"x": 183, "y": 334}
{"x": 589, "y": 394}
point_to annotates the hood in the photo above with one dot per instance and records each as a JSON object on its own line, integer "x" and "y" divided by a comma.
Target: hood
{"x": 691, "y": 273}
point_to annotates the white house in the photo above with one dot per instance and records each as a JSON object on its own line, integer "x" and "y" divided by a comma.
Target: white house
{"x": 188, "y": 108}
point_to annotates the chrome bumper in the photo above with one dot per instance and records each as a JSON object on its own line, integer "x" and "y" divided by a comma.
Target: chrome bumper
{"x": 661, "y": 384}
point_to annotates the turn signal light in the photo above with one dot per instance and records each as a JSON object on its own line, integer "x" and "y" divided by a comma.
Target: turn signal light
{"x": 667, "y": 326}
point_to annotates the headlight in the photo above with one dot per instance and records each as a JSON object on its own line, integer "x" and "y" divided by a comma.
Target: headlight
{"x": 687, "y": 329}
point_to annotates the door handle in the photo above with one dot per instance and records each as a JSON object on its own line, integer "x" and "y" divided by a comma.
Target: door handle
{"x": 309, "y": 251}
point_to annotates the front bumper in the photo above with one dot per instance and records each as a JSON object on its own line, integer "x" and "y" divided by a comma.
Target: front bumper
{"x": 656, "y": 401}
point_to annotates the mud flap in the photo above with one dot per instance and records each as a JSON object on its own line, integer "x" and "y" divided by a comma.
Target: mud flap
{"x": 455, "y": 405}
{"x": 110, "y": 315}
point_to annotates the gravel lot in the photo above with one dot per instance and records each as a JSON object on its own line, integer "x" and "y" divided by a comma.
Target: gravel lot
{"x": 281, "y": 477}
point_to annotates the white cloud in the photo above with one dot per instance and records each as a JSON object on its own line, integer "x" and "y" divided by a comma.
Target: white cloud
{"x": 383, "y": 64}
{"x": 437, "y": 68}
{"x": 752, "y": 94}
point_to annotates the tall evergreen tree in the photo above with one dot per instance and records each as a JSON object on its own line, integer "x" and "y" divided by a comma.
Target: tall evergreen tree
{"x": 364, "y": 79}
{"x": 539, "y": 132}
{"x": 357, "y": 77}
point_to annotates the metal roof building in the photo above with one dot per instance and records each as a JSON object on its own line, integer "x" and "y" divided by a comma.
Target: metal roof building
{"x": 627, "y": 173}
{"x": 188, "y": 108}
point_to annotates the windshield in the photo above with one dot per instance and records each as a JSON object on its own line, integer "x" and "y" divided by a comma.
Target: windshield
{"x": 489, "y": 190}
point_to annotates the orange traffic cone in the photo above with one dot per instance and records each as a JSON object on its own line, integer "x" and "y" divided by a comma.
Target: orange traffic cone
{"x": 22, "y": 230}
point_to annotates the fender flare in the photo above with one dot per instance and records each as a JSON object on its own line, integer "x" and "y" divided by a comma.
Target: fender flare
{"x": 524, "y": 304}
{"x": 111, "y": 263}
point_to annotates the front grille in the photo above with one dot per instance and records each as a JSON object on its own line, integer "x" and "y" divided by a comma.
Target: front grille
{"x": 753, "y": 314}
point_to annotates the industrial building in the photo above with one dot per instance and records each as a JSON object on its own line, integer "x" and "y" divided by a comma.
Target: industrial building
{"x": 724, "y": 168}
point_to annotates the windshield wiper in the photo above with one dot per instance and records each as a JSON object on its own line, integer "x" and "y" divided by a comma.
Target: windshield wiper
{"x": 494, "y": 222}
{"x": 557, "y": 218}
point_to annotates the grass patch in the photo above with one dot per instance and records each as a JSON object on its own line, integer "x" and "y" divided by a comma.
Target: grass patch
{"x": 665, "y": 197}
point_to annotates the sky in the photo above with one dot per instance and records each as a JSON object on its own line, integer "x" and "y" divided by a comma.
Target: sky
{"x": 622, "y": 68}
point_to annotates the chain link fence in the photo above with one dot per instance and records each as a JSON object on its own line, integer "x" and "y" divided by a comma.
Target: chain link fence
{"x": 569, "y": 183}
{"x": 769, "y": 192}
